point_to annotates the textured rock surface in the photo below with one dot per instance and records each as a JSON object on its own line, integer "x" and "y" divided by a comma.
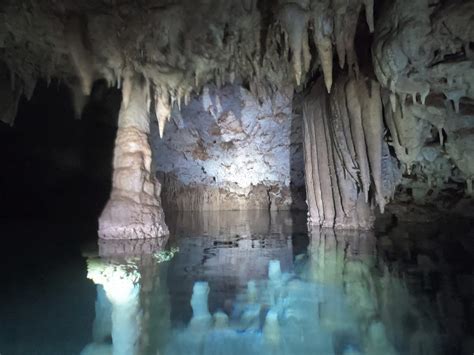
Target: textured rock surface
{"x": 178, "y": 46}
{"x": 423, "y": 58}
{"x": 347, "y": 162}
{"x": 134, "y": 209}
{"x": 226, "y": 151}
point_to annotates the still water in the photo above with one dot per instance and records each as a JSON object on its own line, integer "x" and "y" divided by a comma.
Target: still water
{"x": 250, "y": 283}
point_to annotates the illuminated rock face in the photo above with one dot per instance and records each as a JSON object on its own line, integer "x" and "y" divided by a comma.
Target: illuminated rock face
{"x": 227, "y": 151}
{"x": 134, "y": 209}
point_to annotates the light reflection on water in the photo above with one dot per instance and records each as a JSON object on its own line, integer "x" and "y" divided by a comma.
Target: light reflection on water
{"x": 257, "y": 283}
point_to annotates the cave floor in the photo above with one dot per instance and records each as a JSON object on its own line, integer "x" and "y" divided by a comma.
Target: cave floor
{"x": 262, "y": 285}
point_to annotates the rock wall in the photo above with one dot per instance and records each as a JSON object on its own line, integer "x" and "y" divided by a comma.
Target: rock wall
{"x": 227, "y": 151}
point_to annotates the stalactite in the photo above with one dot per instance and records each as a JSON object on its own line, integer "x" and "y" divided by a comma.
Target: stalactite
{"x": 294, "y": 20}
{"x": 373, "y": 129}
{"x": 79, "y": 100}
{"x": 323, "y": 31}
{"x": 350, "y": 28}
{"x": 10, "y": 97}
{"x": 310, "y": 183}
{"x": 162, "y": 111}
{"x": 79, "y": 54}
{"x": 355, "y": 115}
{"x": 369, "y": 14}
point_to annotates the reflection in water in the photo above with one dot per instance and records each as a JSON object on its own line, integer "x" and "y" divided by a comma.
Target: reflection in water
{"x": 337, "y": 296}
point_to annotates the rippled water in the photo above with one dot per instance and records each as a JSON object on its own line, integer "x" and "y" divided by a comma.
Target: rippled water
{"x": 259, "y": 283}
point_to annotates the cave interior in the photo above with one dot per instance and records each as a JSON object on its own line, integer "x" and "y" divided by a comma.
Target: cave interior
{"x": 269, "y": 148}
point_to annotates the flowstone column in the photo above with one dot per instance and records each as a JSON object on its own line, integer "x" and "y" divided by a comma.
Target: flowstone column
{"x": 134, "y": 209}
{"x": 348, "y": 168}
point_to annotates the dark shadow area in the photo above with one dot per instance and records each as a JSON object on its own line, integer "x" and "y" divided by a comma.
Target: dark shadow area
{"x": 56, "y": 177}
{"x": 297, "y": 182}
{"x": 54, "y": 166}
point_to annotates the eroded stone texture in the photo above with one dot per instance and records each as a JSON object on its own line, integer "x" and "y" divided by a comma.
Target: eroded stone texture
{"x": 422, "y": 56}
{"x": 227, "y": 151}
{"x": 179, "y": 46}
{"x": 347, "y": 163}
{"x": 134, "y": 208}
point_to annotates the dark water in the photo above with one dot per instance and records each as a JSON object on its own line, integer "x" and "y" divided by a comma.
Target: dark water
{"x": 238, "y": 283}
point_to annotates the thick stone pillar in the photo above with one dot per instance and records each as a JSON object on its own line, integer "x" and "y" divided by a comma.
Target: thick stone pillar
{"x": 134, "y": 209}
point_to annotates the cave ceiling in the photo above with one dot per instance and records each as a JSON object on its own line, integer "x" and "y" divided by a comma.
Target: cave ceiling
{"x": 419, "y": 47}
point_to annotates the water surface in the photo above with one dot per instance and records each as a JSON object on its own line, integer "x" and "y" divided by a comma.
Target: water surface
{"x": 247, "y": 283}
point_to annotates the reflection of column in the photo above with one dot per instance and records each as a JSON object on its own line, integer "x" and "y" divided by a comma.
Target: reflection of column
{"x": 201, "y": 320}
{"x": 155, "y": 302}
{"x": 102, "y": 327}
{"x": 132, "y": 306}
{"x": 120, "y": 283}
{"x": 134, "y": 208}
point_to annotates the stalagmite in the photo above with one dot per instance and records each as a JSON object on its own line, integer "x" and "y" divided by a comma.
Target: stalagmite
{"x": 134, "y": 208}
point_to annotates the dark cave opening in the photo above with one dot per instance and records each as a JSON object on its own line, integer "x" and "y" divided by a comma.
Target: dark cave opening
{"x": 58, "y": 166}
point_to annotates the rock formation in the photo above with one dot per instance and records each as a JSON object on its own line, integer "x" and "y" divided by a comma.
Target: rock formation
{"x": 418, "y": 110}
{"x": 131, "y": 297}
{"x": 134, "y": 208}
{"x": 422, "y": 56}
{"x": 345, "y": 156}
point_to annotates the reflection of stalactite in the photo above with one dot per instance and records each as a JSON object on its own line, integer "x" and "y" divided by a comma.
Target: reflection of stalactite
{"x": 343, "y": 138}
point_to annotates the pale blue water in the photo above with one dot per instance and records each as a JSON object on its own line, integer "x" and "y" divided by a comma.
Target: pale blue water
{"x": 238, "y": 283}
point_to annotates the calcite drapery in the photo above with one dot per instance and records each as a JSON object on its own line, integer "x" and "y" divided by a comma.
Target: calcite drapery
{"x": 344, "y": 154}
{"x": 134, "y": 209}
